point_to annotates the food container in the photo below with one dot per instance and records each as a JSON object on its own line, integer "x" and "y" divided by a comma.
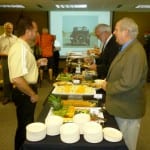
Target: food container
{"x": 69, "y": 133}
{"x": 53, "y": 124}
{"x": 35, "y": 131}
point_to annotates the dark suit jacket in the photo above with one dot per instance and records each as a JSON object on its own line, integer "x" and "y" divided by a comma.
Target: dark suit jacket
{"x": 126, "y": 78}
{"x": 106, "y": 57}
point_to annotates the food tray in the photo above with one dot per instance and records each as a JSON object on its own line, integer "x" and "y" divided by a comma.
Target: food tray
{"x": 64, "y": 77}
{"x": 93, "y": 110}
{"x": 74, "y": 90}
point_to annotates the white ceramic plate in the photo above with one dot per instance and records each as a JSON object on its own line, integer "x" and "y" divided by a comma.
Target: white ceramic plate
{"x": 112, "y": 134}
{"x": 35, "y": 131}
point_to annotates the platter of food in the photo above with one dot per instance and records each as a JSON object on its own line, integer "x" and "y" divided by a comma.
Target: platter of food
{"x": 74, "y": 90}
{"x": 68, "y": 112}
{"x": 92, "y": 84}
{"x": 75, "y": 55}
{"x": 64, "y": 77}
{"x": 70, "y": 107}
{"x": 79, "y": 103}
{"x": 60, "y": 83}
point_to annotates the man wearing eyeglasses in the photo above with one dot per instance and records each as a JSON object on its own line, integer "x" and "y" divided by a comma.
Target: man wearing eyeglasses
{"x": 109, "y": 50}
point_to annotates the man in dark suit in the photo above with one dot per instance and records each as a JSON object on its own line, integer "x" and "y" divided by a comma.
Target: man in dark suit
{"x": 109, "y": 51}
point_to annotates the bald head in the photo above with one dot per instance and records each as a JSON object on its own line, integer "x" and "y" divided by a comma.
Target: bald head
{"x": 8, "y": 28}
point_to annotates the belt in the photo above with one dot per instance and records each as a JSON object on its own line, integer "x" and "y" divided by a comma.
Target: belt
{"x": 33, "y": 86}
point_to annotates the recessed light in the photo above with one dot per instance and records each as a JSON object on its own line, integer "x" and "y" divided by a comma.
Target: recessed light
{"x": 72, "y": 6}
{"x": 142, "y": 6}
{"x": 12, "y": 6}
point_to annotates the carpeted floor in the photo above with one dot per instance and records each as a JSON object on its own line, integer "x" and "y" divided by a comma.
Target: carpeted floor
{"x": 144, "y": 138}
{"x": 8, "y": 120}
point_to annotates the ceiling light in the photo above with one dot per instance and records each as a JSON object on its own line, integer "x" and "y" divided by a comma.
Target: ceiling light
{"x": 57, "y": 6}
{"x": 62, "y": 6}
{"x": 80, "y": 6}
{"x": 12, "y": 6}
{"x": 142, "y": 6}
{"x": 72, "y": 6}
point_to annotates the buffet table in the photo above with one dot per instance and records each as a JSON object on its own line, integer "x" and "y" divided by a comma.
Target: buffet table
{"x": 54, "y": 142}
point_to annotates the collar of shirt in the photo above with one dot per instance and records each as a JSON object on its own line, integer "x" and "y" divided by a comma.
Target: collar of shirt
{"x": 107, "y": 41}
{"x": 25, "y": 44}
{"x": 126, "y": 44}
{"x": 5, "y": 35}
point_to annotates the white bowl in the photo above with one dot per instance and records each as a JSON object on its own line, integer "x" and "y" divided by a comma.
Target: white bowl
{"x": 35, "y": 131}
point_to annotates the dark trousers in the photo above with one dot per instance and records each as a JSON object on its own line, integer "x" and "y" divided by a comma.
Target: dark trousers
{"x": 25, "y": 115}
{"x": 7, "y": 85}
{"x": 56, "y": 63}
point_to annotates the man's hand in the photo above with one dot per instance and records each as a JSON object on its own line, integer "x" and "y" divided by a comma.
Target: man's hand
{"x": 42, "y": 62}
{"x": 93, "y": 67}
{"x": 104, "y": 84}
{"x": 95, "y": 51}
{"x": 34, "y": 98}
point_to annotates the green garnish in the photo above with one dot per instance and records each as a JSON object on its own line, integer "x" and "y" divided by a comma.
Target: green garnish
{"x": 55, "y": 101}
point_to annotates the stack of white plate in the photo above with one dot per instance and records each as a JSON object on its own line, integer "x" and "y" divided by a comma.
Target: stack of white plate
{"x": 53, "y": 124}
{"x": 69, "y": 133}
{"x": 35, "y": 131}
{"x": 92, "y": 132}
{"x": 81, "y": 119}
{"x": 112, "y": 134}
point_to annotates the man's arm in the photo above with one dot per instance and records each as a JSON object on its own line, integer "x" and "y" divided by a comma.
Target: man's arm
{"x": 3, "y": 54}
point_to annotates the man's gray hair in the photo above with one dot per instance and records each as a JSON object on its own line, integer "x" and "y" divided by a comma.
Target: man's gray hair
{"x": 103, "y": 28}
{"x": 130, "y": 25}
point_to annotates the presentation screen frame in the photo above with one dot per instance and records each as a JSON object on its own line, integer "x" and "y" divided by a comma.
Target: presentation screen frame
{"x": 75, "y": 29}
